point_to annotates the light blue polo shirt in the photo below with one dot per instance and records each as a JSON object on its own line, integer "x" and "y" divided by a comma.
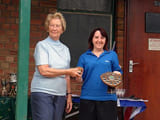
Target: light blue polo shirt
{"x": 93, "y": 88}
{"x": 56, "y": 55}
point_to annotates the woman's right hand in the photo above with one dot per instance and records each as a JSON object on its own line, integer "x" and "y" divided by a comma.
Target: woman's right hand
{"x": 76, "y": 72}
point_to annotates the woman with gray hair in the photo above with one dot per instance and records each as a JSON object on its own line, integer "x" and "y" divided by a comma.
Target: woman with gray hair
{"x": 51, "y": 80}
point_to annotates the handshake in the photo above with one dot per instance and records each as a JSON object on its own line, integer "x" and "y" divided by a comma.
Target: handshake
{"x": 77, "y": 73}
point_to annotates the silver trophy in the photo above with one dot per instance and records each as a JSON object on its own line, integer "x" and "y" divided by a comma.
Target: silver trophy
{"x": 13, "y": 84}
{"x": 4, "y": 85}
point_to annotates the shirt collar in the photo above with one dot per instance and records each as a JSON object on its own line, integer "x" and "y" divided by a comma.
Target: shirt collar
{"x": 89, "y": 52}
{"x": 53, "y": 42}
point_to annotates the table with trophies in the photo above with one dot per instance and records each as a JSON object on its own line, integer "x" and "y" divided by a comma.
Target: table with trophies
{"x": 131, "y": 106}
{"x": 8, "y": 97}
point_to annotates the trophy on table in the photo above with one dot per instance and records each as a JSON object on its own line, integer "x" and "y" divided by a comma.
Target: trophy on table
{"x": 112, "y": 80}
{"x": 4, "y": 90}
{"x": 13, "y": 84}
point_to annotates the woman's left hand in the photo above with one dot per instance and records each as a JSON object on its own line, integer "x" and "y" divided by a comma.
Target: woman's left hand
{"x": 117, "y": 72}
{"x": 69, "y": 103}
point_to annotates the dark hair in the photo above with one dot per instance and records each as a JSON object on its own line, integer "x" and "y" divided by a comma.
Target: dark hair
{"x": 104, "y": 34}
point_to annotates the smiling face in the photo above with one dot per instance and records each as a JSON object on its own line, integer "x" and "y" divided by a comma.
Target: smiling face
{"x": 55, "y": 28}
{"x": 98, "y": 41}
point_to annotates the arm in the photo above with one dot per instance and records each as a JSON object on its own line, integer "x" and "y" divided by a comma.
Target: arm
{"x": 69, "y": 95}
{"x": 41, "y": 59}
{"x": 46, "y": 71}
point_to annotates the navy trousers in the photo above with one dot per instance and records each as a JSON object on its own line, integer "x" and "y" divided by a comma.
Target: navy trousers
{"x": 47, "y": 107}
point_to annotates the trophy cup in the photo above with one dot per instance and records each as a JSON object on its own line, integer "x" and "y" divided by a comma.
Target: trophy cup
{"x": 4, "y": 90}
{"x": 112, "y": 80}
{"x": 12, "y": 82}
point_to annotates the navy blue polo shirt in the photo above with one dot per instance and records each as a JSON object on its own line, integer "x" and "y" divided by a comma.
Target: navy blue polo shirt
{"x": 93, "y": 88}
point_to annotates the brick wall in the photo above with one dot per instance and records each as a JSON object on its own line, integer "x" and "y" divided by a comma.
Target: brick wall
{"x": 9, "y": 29}
{"x": 9, "y": 18}
{"x": 119, "y": 30}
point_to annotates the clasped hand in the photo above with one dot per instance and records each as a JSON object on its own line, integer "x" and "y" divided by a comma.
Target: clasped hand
{"x": 76, "y": 73}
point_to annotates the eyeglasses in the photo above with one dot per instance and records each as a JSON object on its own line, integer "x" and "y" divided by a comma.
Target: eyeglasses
{"x": 55, "y": 26}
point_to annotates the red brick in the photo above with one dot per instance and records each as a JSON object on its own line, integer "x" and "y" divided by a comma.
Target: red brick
{"x": 4, "y": 52}
{"x": 9, "y": 45}
{"x": 120, "y": 33}
{"x": 35, "y": 3}
{"x": 11, "y": 8}
{"x": 1, "y": 72}
{"x": 15, "y": 2}
{"x": 35, "y": 34}
{"x": 36, "y": 22}
{"x": 2, "y": 6}
{"x": 13, "y": 65}
{"x": 10, "y": 20}
{"x": 31, "y": 66}
{"x": 13, "y": 39}
{"x": 5, "y": 26}
{"x": 34, "y": 28}
{"x": 41, "y": 28}
{"x": 120, "y": 39}
{"x": 14, "y": 14}
{"x": 120, "y": 27}
{"x": 6, "y": 1}
{"x": 2, "y": 20}
{"x": 47, "y": 4}
{"x": 3, "y": 37}
{"x": 10, "y": 59}
{"x": 17, "y": 20}
{"x": 1, "y": 33}
{"x": 6, "y": 14}
{"x": 16, "y": 59}
{"x": 12, "y": 52}
{"x": 37, "y": 10}
{"x": 53, "y": 1}
{"x": 15, "y": 27}
{"x": 16, "y": 46}
{"x": 4, "y": 65}
{"x": 78, "y": 86}
{"x": 2, "y": 58}
{"x": 31, "y": 60}
{"x": 9, "y": 32}
{"x": 1, "y": 45}
{"x": 43, "y": 16}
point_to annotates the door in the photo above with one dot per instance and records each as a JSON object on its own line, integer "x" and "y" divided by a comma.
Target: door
{"x": 143, "y": 81}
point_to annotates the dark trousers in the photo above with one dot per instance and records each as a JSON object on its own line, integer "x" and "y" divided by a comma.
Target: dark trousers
{"x": 47, "y": 107}
{"x": 98, "y": 110}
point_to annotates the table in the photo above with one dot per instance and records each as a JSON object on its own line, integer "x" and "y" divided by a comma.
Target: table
{"x": 8, "y": 108}
{"x": 131, "y": 107}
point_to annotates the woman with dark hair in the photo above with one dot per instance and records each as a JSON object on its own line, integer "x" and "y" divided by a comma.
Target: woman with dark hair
{"x": 95, "y": 102}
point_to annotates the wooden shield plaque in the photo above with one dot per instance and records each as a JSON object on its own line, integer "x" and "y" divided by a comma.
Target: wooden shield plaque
{"x": 111, "y": 79}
